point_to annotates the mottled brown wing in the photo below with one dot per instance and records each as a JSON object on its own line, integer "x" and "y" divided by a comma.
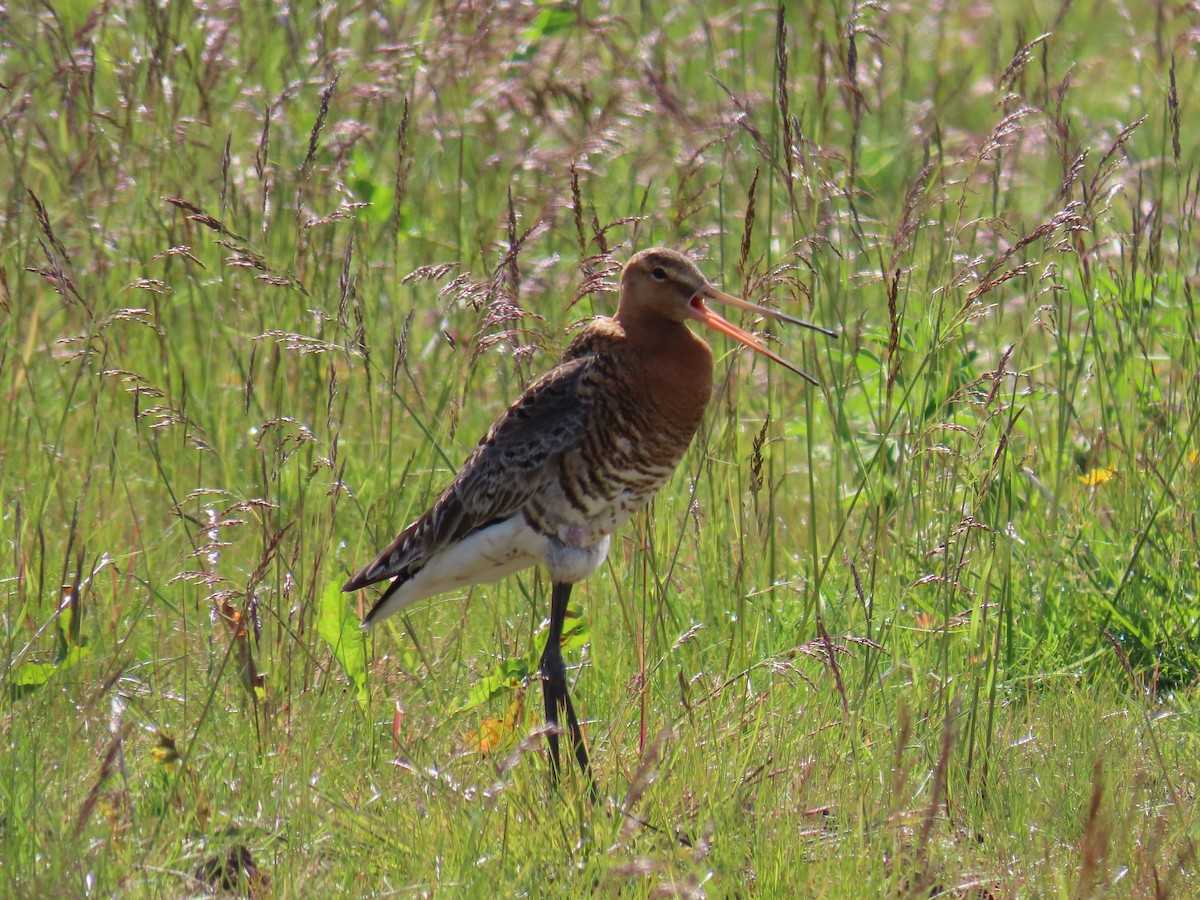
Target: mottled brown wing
{"x": 518, "y": 456}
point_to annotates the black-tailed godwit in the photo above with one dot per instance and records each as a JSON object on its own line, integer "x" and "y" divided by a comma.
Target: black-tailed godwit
{"x": 580, "y": 451}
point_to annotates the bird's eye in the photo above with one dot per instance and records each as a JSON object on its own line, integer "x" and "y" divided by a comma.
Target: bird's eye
{"x": 659, "y": 274}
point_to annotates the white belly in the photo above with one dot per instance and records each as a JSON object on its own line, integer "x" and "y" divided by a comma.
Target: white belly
{"x": 492, "y": 553}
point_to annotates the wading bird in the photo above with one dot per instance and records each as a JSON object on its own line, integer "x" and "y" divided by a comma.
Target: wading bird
{"x": 580, "y": 451}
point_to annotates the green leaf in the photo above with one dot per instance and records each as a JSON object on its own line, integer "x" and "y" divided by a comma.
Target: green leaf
{"x": 67, "y": 633}
{"x": 576, "y": 631}
{"x": 553, "y": 19}
{"x": 508, "y": 676}
{"x": 30, "y": 676}
{"x": 362, "y": 180}
{"x": 341, "y": 631}
{"x": 512, "y": 674}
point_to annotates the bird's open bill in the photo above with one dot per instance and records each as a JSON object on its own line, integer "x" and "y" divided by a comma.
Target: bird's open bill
{"x": 706, "y": 316}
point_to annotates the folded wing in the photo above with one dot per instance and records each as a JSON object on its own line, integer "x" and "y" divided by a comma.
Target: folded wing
{"x": 519, "y": 456}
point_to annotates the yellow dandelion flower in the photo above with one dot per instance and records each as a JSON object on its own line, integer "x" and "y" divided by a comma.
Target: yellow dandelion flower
{"x": 1098, "y": 477}
{"x": 165, "y": 750}
{"x": 493, "y": 733}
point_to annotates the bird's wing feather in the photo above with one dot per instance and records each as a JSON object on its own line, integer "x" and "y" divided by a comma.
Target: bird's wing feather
{"x": 515, "y": 459}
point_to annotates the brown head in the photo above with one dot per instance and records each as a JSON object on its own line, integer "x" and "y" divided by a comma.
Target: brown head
{"x": 660, "y": 284}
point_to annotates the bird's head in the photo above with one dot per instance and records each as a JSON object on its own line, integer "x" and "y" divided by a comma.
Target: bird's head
{"x": 661, "y": 284}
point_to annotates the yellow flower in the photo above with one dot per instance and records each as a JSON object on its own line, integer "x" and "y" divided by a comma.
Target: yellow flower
{"x": 1099, "y": 476}
{"x": 496, "y": 733}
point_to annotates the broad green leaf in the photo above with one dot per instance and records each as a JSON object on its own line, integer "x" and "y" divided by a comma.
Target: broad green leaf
{"x": 553, "y": 19}
{"x": 30, "y": 676}
{"x": 512, "y": 674}
{"x": 341, "y": 631}
{"x": 507, "y": 676}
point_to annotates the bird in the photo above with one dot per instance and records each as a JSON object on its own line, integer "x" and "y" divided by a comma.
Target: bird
{"x": 582, "y": 449}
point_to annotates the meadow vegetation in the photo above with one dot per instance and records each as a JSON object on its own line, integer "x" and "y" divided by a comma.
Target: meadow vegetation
{"x": 268, "y": 272}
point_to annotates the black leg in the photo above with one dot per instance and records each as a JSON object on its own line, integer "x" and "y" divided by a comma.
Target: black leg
{"x": 554, "y": 690}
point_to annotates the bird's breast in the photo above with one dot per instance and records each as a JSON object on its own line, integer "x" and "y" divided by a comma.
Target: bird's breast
{"x": 613, "y": 473}
{"x": 644, "y": 405}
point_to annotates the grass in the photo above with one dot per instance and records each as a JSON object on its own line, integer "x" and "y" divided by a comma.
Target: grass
{"x": 930, "y": 630}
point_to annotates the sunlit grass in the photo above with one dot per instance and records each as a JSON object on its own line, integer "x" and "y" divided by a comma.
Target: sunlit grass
{"x": 931, "y": 629}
